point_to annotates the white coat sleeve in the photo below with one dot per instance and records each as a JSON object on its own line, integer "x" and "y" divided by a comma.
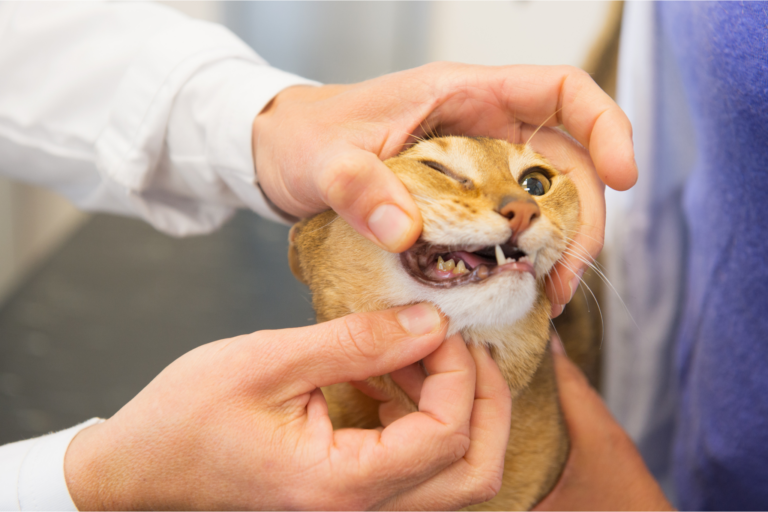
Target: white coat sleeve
{"x": 133, "y": 109}
{"x": 32, "y": 472}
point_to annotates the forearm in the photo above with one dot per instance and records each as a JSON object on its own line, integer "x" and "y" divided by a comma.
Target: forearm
{"x": 132, "y": 109}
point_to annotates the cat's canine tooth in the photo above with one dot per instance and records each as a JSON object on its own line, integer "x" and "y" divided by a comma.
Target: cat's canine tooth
{"x": 500, "y": 256}
{"x": 440, "y": 263}
{"x": 460, "y": 268}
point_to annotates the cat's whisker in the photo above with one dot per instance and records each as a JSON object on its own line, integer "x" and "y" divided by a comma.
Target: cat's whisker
{"x": 552, "y": 323}
{"x": 431, "y": 131}
{"x": 607, "y": 281}
{"x": 326, "y": 225}
{"x": 542, "y": 124}
{"x": 601, "y": 242}
{"x": 590, "y": 264}
{"x": 573, "y": 238}
{"x": 586, "y": 253}
{"x": 599, "y": 309}
{"x": 560, "y": 279}
{"x": 418, "y": 139}
{"x": 425, "y": 199}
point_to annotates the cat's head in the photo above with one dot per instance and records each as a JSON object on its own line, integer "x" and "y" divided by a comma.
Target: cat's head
{"x": 496, "y": 219}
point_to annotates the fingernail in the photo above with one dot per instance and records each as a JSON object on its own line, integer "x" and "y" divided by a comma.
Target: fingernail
{"x": 419, "y": 319}
{"x": 556, "y": 310}
{"x": 574, "y": 284}
{"x": 389, "y": 224}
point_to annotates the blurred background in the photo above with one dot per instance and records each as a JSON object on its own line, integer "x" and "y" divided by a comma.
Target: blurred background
{"x": 92, "y": 307}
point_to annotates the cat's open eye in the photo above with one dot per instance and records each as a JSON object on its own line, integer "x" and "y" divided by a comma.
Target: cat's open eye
{"x": 535, "y": 182}
{"x": 444, "y": 170}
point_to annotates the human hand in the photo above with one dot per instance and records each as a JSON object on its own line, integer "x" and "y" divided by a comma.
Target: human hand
{"x": 320, "y": 147}
{"x": 241, "y": 423}
{"x": 604, "y": 469}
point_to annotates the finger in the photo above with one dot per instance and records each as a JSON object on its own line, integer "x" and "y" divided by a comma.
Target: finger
{"x": 392, "y": 407}
{"x": 580, "y": 402}
{"x": 393, "y": 410}
{"x": 476, "y": 477}
{"x": 487, "y": 100}
{"x": 350, "y": 348}
{"x": 585, "y": 245}
{"x": 589, "y": 421}
{"x": 604, "y": 469}
{"x": 449, "y": 389}
{"x": 411, "y": 380}
{"x": 417, "y": 446}
{"x": 360, "y": 188}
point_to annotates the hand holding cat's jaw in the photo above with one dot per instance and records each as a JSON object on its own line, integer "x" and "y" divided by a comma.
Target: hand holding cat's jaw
{"x": 584, "y": 246}
{"x": 249, "y": 427}
{"x": 333, "y": 166}
{"x": 320, "y": 147}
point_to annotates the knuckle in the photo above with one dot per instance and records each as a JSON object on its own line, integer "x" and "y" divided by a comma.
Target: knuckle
{"x": 339, "y": 181}
{"x": 485, "y": 485}
{"x": 358, "y": 337}
{"x": 459, "y": 445}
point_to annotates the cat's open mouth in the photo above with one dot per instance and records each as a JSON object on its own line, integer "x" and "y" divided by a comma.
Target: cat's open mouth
{"x": 444, "y": 267}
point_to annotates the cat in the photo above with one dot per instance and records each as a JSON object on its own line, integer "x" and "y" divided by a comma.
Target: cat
{"x": 496, "y": 217}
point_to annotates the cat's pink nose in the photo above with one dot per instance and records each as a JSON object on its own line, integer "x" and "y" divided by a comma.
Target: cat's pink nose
{"x": 520, "y": 212}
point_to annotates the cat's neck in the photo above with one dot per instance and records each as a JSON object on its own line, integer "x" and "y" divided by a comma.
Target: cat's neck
{"x": 518, "y": 349}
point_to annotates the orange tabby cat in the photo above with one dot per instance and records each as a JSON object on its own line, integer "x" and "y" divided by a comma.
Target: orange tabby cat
{"x": 495, "y": 218}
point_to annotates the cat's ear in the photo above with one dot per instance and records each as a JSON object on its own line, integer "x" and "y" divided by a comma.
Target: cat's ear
{"x": 293, "y": 251}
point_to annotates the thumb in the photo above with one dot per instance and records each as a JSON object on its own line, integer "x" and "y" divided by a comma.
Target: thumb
{"x": 357, "y": 346}
{"x": 365, "y": 193}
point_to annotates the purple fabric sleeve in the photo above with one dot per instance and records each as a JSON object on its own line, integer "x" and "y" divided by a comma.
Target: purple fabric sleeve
{"x": 721, "y": 442}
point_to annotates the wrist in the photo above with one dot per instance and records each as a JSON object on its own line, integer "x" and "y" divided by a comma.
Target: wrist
{"x": 269, "y": 147}
{"x": 85, "y": 470}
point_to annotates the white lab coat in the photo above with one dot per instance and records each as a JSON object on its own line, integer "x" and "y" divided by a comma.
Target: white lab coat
{"x": 132, "y": 109}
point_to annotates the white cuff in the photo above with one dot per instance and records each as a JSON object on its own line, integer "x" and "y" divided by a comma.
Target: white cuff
{"x": 230, "y": 147}
{"x": 32, "y": 472}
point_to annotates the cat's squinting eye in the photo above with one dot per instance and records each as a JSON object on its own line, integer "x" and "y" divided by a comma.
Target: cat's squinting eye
{"x": 535, "y": 183}
{"x": 444, "y": 170}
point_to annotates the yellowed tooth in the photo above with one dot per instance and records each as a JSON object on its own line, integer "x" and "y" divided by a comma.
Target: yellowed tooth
{"x": 500, "y": 259}
{"x": 460, "y": 268}
{"x": 450, "y": 265}
{"x": 440, "y": 263}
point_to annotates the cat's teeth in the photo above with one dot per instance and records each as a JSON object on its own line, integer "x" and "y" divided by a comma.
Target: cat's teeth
{"x": 445, "y": 266}
{"x": 510, "y": 260}
{"x": 500, "y": 256}
{"x": 460, "y": 268}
